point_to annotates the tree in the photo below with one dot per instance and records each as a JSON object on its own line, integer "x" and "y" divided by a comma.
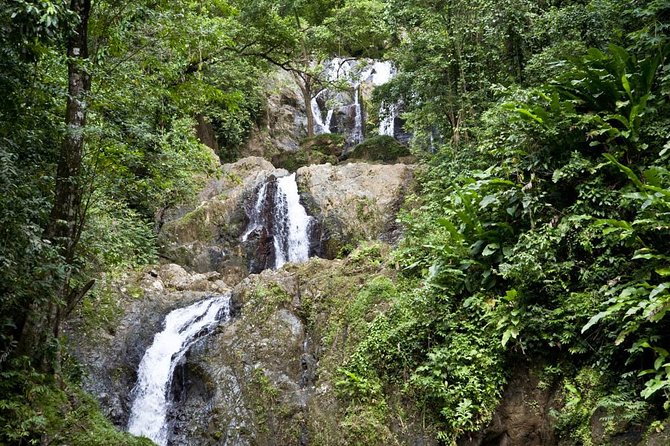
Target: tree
{"x": 67, "y": 213}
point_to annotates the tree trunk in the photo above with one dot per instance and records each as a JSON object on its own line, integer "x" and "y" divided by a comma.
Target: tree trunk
{"x": 304, "y": 82}
{"x": 67, "y": 215}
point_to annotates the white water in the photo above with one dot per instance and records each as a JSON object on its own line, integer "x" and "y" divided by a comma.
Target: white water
{"x": 289, "y": 225}
{"x": 387, "y": 123}
{"x": 381, "y": 74}
{"x": 256, "y": 215}
{"x": 182, "y": 328}
{"x": 358, "y": 120}
{"x": 355, "y": 73}
{"x": 291, "y": 238}
{"x": 320, "y": 126}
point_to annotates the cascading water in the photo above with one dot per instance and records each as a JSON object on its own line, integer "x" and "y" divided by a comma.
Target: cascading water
{"x": 355, "y": 73}
{"x": 291, "y": 238}
{"x": 319, "y": 125}
{"x": 357, "y": 135}
{"x": 383, "y": 72}
{"x": 278, "y": 218}
{"x": 387, "y": 123}
{"x": 256, "y": 217}
{"x": 182, "y": 328}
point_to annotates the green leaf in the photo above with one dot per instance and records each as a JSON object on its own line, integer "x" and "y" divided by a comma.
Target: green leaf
{"x": 490, "y": 249}
{"x": 659, "y": 289}
{"x": 659, "y": 362}
{"x": 594, "y": 320}
{"x": 487, "y": 200}
{"x": 629, "y": 173}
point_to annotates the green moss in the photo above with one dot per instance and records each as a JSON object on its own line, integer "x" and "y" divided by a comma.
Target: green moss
{"x": 379, "y": 148}
{"x": 328, "y": 144}
{"x": 265, "y": 300}
{"x": 192, "y": 226}
{"x": 36, "y": 409}
{"x": 293, "y": 161}
{"x": 320, "y": 149}
{"x": 276, "y": 422}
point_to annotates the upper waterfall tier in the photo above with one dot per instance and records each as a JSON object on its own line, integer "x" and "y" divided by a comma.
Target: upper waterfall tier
{"x": 328, "y": 103}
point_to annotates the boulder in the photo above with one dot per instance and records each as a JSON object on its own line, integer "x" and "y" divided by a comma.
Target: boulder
{"x": 354, "y": 202}
{"x": 208, "y": 237}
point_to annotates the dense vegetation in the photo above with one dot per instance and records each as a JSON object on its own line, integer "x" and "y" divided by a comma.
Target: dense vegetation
{"x": 539, "y": 232}
{"x": 538, "y": 235}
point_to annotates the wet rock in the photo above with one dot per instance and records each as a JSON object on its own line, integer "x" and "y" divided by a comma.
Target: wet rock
{"x": 208, "y": 238}
{"x": 110, "y": 359}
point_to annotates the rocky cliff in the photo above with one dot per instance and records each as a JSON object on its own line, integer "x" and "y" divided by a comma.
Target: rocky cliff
{"x": 352, "y": 202}
{"x": 267, "y": 377}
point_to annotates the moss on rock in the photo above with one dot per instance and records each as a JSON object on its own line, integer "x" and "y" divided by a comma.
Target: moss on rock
{"x": 379, "y": 148}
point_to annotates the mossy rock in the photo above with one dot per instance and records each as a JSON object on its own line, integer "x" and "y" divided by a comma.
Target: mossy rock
{"x": 327, "y": 144}
{"x": 379, "y": 148}
{"x": 293, "y": 161}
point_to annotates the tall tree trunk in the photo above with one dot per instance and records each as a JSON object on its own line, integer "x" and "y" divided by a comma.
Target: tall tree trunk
{"x": 304, "y": 82}
{"x": 67, "y": 216}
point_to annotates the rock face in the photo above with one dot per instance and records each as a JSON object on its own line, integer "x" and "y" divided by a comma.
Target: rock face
{"x": 523, "y": 417}
{"x": 111, "y": 355}
{"x": 285, "y": 122}
{"x": 208, "y": 238}
{"x": 354, "y": 202}
{"x": 268, "y": 377}
{"x": 351, "y": 202}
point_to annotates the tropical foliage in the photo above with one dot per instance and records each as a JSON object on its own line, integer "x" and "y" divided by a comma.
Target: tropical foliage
{"x": 539, "y": 231}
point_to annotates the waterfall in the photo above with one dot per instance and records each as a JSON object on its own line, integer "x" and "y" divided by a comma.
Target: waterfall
{"x": 280, "y": 224}
{"x": 382, "y": 72}
{"x": 387, "y": 123}
{"x": 256, "y": 217}
{"x": 182, "y": 328}
{"x": 291, "y": 237}
{"x": 357, "y": 135}
{"x": 319, "y": 125}
{"x": 355, "y": 73}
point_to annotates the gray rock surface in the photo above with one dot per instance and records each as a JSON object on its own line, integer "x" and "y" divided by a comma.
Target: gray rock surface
{"x": 271, "y": 372}
{"x": 285, "y": 121}
{"x": 355, "y": 201}
{"x": 110, "y": 355}
{"x": 352, "y": 202}
{"x": 208, "y": 238}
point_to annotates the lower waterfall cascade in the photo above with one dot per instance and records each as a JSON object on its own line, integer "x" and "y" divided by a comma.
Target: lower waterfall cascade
{"x": 181, "y": 329}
